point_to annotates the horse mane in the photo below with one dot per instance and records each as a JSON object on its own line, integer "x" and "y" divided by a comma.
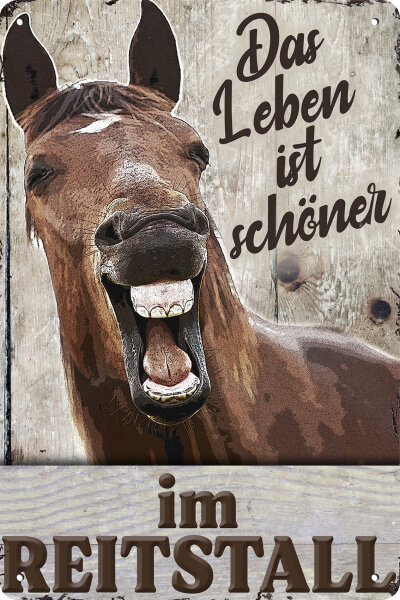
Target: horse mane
{"x": 96, "y": 97}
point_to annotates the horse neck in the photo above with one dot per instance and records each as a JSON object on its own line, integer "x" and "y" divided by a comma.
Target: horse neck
{"x": 229, "y": 340}
{"x": 219, "y": 301}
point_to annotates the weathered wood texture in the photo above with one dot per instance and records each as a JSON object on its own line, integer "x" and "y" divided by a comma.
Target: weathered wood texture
{"x": 340, "y": 276}
{"x": 295, "y": 501}
{"x": 3, "y": 205}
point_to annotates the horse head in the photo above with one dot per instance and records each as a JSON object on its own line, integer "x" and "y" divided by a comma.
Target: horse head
{"x": 112, "y": 185}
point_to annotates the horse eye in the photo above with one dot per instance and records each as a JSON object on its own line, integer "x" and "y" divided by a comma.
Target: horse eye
{"x": 38, "y": 174}
{"x": 200, "y": 154}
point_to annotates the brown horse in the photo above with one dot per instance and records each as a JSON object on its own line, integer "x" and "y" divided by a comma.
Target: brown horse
{"x": 163, "y": 363}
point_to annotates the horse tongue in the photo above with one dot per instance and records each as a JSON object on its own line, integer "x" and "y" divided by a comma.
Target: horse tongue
{"x": 164, "y": 362}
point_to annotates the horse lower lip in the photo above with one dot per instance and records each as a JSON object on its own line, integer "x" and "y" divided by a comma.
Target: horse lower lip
{"x": 176, "y": 393}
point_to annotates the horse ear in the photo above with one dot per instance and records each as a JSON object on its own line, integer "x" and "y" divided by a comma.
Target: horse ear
{"x": 153, "y": 56}
{"x": 27, "y": 68}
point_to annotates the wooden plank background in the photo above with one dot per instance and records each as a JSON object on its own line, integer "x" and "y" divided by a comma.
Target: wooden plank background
{"x": 340, "y": 276}
{"x": 3, "y": 178}
{"x": 296, "y": 501}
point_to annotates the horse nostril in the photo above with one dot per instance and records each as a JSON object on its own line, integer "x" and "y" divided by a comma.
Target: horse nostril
{"x": 202, "y": 225}
{"x": 108, "y": 233}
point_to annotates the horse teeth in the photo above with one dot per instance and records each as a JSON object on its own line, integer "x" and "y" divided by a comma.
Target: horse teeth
{"x": 161, "y": 395}
{"x": 142, "y": 311}
{"x": 158, "y": 313}
{"x": 188, "y": 305}
{"x": 175, "y": 310}
{"x": 163, "y": 298}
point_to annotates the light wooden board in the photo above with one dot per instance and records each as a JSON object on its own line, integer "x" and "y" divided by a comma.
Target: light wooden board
{"x": 345, "y": 273}
{"x": 296, "y": 501}
{"x": 342, "y": 274}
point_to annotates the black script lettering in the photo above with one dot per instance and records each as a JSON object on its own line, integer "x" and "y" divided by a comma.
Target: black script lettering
{"x": 310, "y": 221}
{"x": 296, "y": 161}
{"x": 250, "y": 55}
{"x": 226, "y": 91}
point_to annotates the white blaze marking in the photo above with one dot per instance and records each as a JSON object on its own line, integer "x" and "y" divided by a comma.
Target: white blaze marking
{"x": 136, "y": 173}
{"x": 102, "y": 121}
{"x": 141, "y": 171}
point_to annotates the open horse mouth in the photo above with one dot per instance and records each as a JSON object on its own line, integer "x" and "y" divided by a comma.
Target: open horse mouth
{"x": 159, "y": 326}
{"x": 169, "y": 367}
